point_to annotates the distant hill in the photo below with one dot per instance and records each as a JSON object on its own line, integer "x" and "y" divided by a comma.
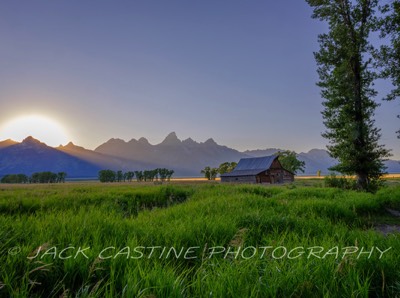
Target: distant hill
{"x": 7, "y": 143}
{"x": 317, "y": 160}
{"x": 393, "y": 166}
{"x": 262, "y": 152}
{"x": 185, "y": 157}
{"x": 104, "y": 161}
{"x": 31, "y": 156}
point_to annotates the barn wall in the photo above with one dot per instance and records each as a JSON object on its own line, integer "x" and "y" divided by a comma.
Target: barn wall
{"x": 287, "y": 176}
{"x": 276, "y": 164}
{"x": 279, "y": 176}
{"x": 263, "y": 178}
{"x": 275, "y": 174}
{"x": 240, "y": 179}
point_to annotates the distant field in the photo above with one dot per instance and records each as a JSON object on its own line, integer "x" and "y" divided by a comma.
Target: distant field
{"x": 387, "y": 176}
{"x": 201, "y": 179}
{"x": 198, "y": 240}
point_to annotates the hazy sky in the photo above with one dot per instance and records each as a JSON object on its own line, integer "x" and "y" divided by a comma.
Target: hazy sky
{"x": 241, "y": 72}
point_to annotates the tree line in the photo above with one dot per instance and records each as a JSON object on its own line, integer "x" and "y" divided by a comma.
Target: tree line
{"x": 159, "y": 174}
{"x": 38, "y": 177}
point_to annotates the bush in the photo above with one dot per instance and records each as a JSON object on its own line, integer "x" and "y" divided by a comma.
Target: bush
{"x": 107, "y": 176}
{"x": 15, "y": 178}
{"x": 342, "y": 182}
{"x": 347, "y": 183}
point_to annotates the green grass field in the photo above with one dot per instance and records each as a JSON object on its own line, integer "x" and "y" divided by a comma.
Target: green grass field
{"x": 197, "y": 240}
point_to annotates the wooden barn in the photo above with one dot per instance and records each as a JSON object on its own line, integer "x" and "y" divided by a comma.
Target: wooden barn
{"x": 265, "y": 169}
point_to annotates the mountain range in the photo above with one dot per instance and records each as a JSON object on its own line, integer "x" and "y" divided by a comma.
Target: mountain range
{"x": 186, "y": 157}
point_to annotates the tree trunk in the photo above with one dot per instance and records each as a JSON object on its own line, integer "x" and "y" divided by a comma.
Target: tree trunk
{"x": 362, "y": 181}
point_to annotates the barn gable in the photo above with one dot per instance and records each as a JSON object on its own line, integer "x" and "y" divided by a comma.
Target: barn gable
{"x": 265, "y": 169}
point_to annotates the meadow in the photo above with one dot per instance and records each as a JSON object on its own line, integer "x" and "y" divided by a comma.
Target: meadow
{"x": 197, "y": 240}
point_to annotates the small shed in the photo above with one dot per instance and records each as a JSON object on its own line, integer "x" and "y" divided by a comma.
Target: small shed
{"x": 266, "y": 169}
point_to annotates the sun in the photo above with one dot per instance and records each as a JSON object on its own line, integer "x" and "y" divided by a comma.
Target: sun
{"x": 40, "y": 127}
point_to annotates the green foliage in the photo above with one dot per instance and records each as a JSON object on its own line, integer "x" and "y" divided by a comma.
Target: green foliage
{"x": 39, "y": 177}
{"x": 346, "y": 80}
{"x": 47, "y": 177}
{"x": 61, "y": 177}
{"x": 119, "y": 176}
{"x": 289, "y": 161}
{"x": 210, "y": 173}
{"x": 39, "y": 219}
{"x": 339, "y": 182}
{"x": 148, "y": 175}
{"x": 389, "y": 54}
{"x": 151, "y": 175}
{"x": 128, "y": 176}
{"x": 139, "y": 176}
{"x": 226, "y": 167}
{"x": 107, "y": 176}
{"x": 165, "y": 174}
{"x": 15, "y": 178}
{"x": 348, "y": 183}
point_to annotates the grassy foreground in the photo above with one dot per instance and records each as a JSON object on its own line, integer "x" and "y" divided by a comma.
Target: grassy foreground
{"x": 192, "y": 240}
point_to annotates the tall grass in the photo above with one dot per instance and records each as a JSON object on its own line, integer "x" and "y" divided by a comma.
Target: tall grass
{"x": 130, "y": 241}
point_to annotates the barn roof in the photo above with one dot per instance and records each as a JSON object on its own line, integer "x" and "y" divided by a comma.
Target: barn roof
{"x": 252, "y": 166}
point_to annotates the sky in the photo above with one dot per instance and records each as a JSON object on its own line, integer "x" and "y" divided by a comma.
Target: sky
{"x": 240, "y": 72}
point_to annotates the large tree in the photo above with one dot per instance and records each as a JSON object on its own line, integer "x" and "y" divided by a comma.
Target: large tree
{"x": 389, "y": 54}
{"x": 210, "y": 173}
{"x": 346, "y": 79}
{"x": 289, "y": 161}
{"x": 227, "y": 167}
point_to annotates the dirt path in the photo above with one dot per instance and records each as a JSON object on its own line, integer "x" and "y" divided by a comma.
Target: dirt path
{"x": 387, "y": 229}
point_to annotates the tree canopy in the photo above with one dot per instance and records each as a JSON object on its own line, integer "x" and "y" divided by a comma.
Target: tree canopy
{"x": 346, "y": 81}
{"x": 388, "y": 55}
{"x": 290, "y": 162}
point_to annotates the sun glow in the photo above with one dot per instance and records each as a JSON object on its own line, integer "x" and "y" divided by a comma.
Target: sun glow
{"x": 42, "y": 128}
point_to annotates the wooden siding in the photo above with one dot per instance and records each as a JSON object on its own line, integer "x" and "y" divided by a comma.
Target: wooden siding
{"x": 240, "y": 179}
{"x": 287, "y": 176}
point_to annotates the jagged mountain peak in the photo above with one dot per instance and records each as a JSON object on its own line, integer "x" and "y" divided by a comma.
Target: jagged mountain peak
{"x": 171, "y": 139}
{"x": 189, "y": 141}
{"x": 31, "y": 139}
{"x": 70, "y": 146}
{"x": 32, "y": 142}
{"x": 118, "y": 140}
{"x": 115, "y": 141}
{"x": 210, "y": 141}
{"x": 142, "y": 140}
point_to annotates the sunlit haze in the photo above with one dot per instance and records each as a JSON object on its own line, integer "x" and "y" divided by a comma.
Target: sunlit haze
{"x": 45, "y": 129}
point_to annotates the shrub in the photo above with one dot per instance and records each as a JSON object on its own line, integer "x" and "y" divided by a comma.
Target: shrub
{"x": 348, "y": 183}
{"x": 339, "y": 182}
